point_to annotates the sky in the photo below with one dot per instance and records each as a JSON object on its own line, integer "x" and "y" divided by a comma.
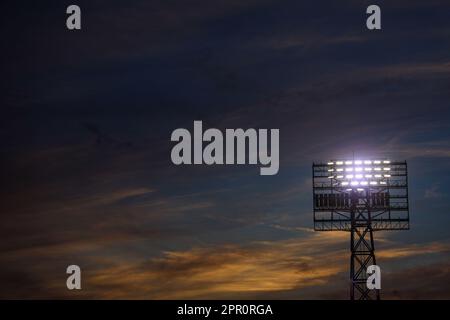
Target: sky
{"x": 87, "y": 116}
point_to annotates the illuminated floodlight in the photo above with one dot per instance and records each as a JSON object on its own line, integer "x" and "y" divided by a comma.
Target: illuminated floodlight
{"x": 359, "y": 167}
{"x": 360, "y": 196}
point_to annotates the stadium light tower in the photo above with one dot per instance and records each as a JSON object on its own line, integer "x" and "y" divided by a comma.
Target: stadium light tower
{"x": 361, "y": 196}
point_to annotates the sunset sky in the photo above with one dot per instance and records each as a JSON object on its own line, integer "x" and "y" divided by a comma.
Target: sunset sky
{"x": 87, "y": 117}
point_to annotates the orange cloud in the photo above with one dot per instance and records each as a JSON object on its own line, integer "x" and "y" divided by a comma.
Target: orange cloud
{"x": 225, "y": 271}
{"x": 413, "y": 250}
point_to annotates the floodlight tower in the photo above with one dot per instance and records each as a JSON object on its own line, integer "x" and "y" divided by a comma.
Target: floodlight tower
{"x": 360, "y": 196}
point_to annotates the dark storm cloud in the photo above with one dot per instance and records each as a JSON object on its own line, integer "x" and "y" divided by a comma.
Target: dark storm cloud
{"x": 86, "y": 125}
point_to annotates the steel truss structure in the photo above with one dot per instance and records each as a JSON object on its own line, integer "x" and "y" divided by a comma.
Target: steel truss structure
{"x": 361, "y": 204}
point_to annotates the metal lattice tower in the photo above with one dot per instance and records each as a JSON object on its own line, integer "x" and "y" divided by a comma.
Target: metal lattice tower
{"x": 361, "y": 197}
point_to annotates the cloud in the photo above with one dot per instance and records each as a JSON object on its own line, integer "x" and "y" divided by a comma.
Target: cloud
{"x": 308, "y": 40}
{"x": 422, "y": 282}
{"x": 295, "y": 268}
{"x": 433, "y": 192}
{"x": 306, "y": 267}
{"x": 413, "y": 250}
{"x": 223, "y": 271}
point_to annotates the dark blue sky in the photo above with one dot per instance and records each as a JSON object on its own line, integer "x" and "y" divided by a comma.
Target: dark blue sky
{"x": 85, "y": 132}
